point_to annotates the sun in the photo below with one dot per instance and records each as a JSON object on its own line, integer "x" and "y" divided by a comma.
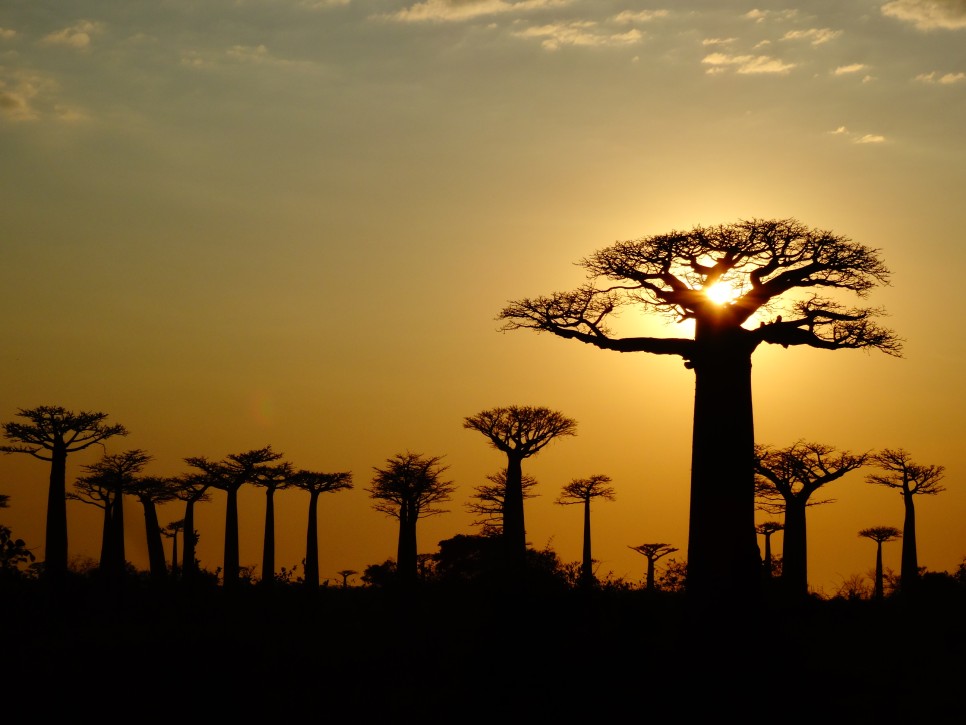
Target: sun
{"x": 720, "y": 293}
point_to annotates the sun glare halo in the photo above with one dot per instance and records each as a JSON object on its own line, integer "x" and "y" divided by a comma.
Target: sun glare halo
{"x": 720, "y": 293}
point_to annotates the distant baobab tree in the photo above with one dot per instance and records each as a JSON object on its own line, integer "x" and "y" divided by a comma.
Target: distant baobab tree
{"x": 317, "y": 483}
{"x": 409, "y": 487}
{"x": 345, "y": 574}
{"x": 583, "y": 491}
{"x": 880, "y": 535}
{"x": 911, "y": 479}
{"x": 766, "y": 529}
{"x": 171, "y": 531}
{"x": 229, "y": 475}
{"x": 191, "y": 488}
{"x": 785, "y": 479}
{"x": 487, "y": 501}
{"x": 153, "y": 491}
{"x": 652, "y": 552}
{"x": 519, "y": 432}
{"x": 769, "y": 274}
{"x": 50, "y": 434}
{"x": 272, "y": 479}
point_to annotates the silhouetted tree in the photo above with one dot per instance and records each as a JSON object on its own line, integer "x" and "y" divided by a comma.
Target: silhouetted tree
{"x": 910, "y": 479}
{"x": 785, "y": 479}
{"x": 766, "y": 529}
{"x": 408, "y": 488}
{"x": 153, "y": 491}
{"x": 272, "y": 479}
{"x": 652, "y": 553}
{"x": 582, "y": 491}
{"x": 761, "y": 262}
{"x": 51, "y": 434}
{"x": 880, "y": 534}
{"x": 192, "y": 488}
{"x": 229, "y": 475}
{"x": 13, "y": 553}
{"x": 95, "y": 491}
{"x": 487, "y": 501}
{"x": 519, "y": 432}
{"x": 317, "y": 483}
{"x": 171, "y": 531}
{"x": 345, "y": 574}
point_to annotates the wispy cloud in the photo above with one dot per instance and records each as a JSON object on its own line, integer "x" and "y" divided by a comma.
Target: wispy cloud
{"x": 7, "y": 33}
{"x": 20, "y": 92}
{"x": 944, "y": 79}
{"x": 760, "y": 16}
{"x": 580, "y": 32}
{"x": 456, "y": 10}
{"x": 236, "y": 54}
{"x": 929, "y": 14}
{"x": 859, "y": 138}
{"x": 844, "y": 70}
{"x": 642, "y": 16}
{"x": 718, "y": 41}
{"x": 76, "y": 36}
{"x": 745, "y": 64}
{"x": 816, "y": 36}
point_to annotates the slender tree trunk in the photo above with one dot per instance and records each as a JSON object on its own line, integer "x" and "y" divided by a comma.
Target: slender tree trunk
{"x": 406, "y": 560}
{"x": 174, "y": 554}
{"x": 232, "y": 567}
{"x": 795, "y": 553}
{"x": 159, "y": 568}
{"x": 312, "y": 544}
{"x": 724, "y": 564}
{"x": 189, "y": 567}
{"x": 514, "y": 528}
{"x": 105, "y": 538}
{"x": 767, "y": 570}
{"x": 268, "y": 547}
{"x": 55, "y": 539}
{"x": 879, "y": 589}
{"x": 909, "y": 572}
{"x": 587, "y": 570}
{"x": 117, "y": 558}
{"x": 650, "y": 575}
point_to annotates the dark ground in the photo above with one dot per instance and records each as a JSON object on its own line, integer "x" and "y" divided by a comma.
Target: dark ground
{"x": 461, "y": 656}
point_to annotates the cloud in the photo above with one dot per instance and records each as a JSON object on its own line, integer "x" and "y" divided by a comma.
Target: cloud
{"x": 457, "y": 10}
{"x": 718, "y": 41}
{"x": 76, "y": 36}
{"x": 580, "y": 32}
{"x": 745, "y": 64}
{"x": 945, "y": 79}
{"x": 759, "y": 16}
{"x": 867, "y": 138}
{"x": 642, "y": 16}
{"x": 929, "y": 14}
{"x": 847, "y": 69}
{"x": 7, "y": 33}
{"x": 816, "y": 36}
{"x": 19, "y": 93}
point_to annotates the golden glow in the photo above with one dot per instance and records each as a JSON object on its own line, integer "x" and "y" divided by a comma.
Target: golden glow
{"x": 721, "y": 293}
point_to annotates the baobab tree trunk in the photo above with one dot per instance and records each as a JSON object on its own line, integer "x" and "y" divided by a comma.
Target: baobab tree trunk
{"x": 174, "y": 554}
{"x": 909, "y": 571}
{"x": 232, "y": 567}
{"x": 406, "y": 558}
{"x": 587, "y": 571}
{"x": 795, "y": 553}
{"x": 879, "y": 589}
{"x": 159, "y": 568}
{"x": 650, "y": 574}
{"x": 189, "y": 568}
{"x": 268, "y": 547}
{"x": 724, "y": 563}
{"x": 312, "y": 544}
{"x": 55, "y": 538}
{"x": 514, "y": 529}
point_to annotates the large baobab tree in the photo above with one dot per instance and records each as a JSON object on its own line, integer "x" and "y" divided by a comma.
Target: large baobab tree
{"x": 770, "y": 274}
{"x": 880, "y": 535}
{"x": 229, "y": 475}
{"x": 652, "y": 552}
{"x": 519, "y": 432}
{"x": 271, "y": 478}
{"x": 766, "y": 529}
{"x": 785, "y": 479}
{"x": 583, "y": 491}
{"x": 317, "y": 483}
{"x": 898, "y": 471}
{"x": 51, "y": 433}
{"x": 409, "y": 487}
{"x": 153, "y": 491}
{"x": 487, "y": 501}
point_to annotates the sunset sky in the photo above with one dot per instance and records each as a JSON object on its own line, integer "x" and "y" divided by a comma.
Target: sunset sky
{"x": 294, "y": 223}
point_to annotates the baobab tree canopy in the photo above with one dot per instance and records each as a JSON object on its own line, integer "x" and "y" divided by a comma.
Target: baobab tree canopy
{"x": 741, "y": 285}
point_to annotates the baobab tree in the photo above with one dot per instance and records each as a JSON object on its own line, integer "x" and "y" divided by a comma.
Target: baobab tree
{"x": 652, "y": 552}
{"x": 153, "y": 491}
{"x": 192, "y": 488}
{"x": 93, "y": 490}
{"x": 766, "y": 529}
{"x": 900, "y": 472}
{"x": 785, "y": 479}
{"x": 229, "y": 475}
{"x": 317, "y": 483}
{"x": 583, "y": 491}
{"x": 487, "y": 501}
{"x": 408, "y": 488}
{"x": 880, "y": 535}
{"x": 171, "y": 531}
{"x": 51, "y": 433}
{"x": 272, "y": 479}
{"x": 519, "y": 432}
{"x": 739, "y": 285}
{"x": 345, "y": 574}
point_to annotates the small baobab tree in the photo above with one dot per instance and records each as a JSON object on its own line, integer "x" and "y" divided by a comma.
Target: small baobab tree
{"x": 345, "y": 574}
{"x": 880, "y": 535}
{"x": 766, "y": 529}
{"x": 582, "y": 491}
{"x": 652, "y": 552}
{"x": 51, "y": 433}
{"x": 171, "y": 531}
{"x": 518, "y": 432}
{"x": 317, "y": 483}
{"x": 192, "y": 488}
{"x": 272, "y": 479}
{"x": 409, "y": 487}
{"x": 898, "y": 471}
{"x": 153, "y": 491}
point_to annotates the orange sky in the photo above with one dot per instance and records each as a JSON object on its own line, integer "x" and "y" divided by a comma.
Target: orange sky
{"x": 294, "y": 224}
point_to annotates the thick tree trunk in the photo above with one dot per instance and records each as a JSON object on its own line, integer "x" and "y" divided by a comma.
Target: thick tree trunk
{"x": 767, "y": 566}
{"x": 116, "y": 557}
{"x": 795, "y": 552}
{"x": 159, "y": 568}
{"x": 650, "y": 575}
{"x": 909, "y": 571}
{"x": 514, "y": 529}
{"x": 879, "y": 589}
{"x": 587, "y": 570}
{"x": 55, "y": 539}
{"x": 268, "y": 546}
{"x": 406, "y": 550}
{"x": 724, "y": 564}
{"x": 312, "y": 544}
{"x": 174, "y": 554}
{"x": 105, "y": 538}
{"x": 189, "y": 567}
{"x": 232, "y": 567}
